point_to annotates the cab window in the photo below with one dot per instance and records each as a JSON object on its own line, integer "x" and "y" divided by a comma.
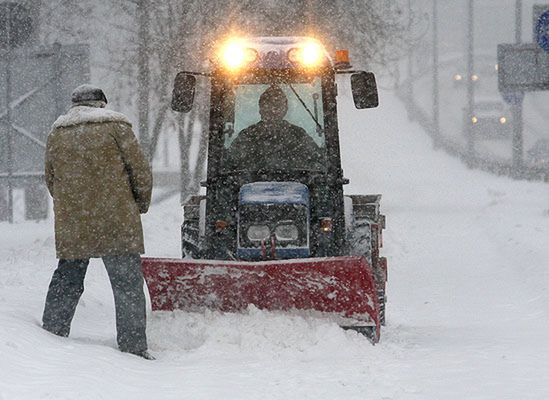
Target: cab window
{"x": 304, "y": 109}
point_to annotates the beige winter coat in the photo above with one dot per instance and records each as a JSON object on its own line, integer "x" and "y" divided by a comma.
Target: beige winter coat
{"x": 100, "y": 182}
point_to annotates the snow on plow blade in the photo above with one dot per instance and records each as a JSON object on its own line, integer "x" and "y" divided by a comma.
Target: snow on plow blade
{"x": 341, "y": 286}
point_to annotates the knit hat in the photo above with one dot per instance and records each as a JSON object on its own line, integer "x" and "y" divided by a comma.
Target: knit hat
{"x": 273, "y": 96}
{"x": 87, "y": 94}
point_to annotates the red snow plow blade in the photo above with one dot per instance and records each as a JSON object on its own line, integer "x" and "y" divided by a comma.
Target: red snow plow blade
{"x": 341, "y": 286}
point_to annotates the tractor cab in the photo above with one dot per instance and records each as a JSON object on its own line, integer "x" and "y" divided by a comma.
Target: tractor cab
{"x": 273, "y": 128}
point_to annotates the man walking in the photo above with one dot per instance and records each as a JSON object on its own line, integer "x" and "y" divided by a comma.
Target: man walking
{"x": 100, "y": 182}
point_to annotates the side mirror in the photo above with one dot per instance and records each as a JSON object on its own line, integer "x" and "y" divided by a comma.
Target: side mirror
{"x": 364, "y": 88}
{"x": 183, "y": 92}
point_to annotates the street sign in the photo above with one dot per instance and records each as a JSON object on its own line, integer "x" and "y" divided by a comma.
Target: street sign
{"x": 522, "y": 68}
{"x": 542, "y": 31}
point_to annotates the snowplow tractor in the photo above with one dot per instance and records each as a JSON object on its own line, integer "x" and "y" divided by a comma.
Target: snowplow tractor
{"x": 273, "y": 228}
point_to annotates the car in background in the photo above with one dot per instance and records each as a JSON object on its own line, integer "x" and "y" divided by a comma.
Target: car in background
{"x": 483, "y": 72}
{"x": 538, "y": 154}
{"x": 491, "y": 119}
{"x": 461, "y": 79}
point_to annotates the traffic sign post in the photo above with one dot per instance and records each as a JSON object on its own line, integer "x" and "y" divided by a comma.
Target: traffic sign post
{"x": 524, "y": 68}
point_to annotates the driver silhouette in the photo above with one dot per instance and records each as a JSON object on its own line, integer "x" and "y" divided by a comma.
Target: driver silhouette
{"x": 273, "y": 143}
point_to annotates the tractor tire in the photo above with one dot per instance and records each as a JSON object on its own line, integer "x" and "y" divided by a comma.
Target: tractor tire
{"x": 361, "y": 240}
{"x": 368, "y": 331}
{"x": 361, "y": 244}
{"x": 190, "y": 245}
{"x": 382, "y": 300}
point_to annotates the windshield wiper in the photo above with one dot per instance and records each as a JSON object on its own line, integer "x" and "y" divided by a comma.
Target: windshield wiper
{"x": 318, "y": 126}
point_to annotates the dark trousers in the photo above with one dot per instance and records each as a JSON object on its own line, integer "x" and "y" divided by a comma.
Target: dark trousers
{"x": 67, "y": 285}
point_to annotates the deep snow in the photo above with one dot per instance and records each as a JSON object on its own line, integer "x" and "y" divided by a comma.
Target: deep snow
{"x": 468, "y": 311}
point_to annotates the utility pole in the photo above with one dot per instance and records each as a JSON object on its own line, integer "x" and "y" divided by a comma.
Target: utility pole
{"x": 9, "y": 134}
{"x": 143, "y": 76}
{"x": 470, "y": 152}
{"x": 516, "y": 106}
{"x": 410, "y": 85}
{"x": 436, "y": 100}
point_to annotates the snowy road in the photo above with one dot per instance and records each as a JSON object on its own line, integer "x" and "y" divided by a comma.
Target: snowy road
{"x": 468, "y": 311}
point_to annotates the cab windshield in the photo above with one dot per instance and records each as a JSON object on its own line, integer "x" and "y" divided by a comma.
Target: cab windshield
{"x": 270, "y": 126}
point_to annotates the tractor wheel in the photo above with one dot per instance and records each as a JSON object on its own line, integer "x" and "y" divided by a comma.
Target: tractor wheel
{"x": 361, "y": 239}
{"x": 189, "y": 241}
{"x": 368, "y": 331}
{"x": 187, "y": 250}
{"x": 382, "y": 300}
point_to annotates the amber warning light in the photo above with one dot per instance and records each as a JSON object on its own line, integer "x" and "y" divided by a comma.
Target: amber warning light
{"x": 342, "y": 59}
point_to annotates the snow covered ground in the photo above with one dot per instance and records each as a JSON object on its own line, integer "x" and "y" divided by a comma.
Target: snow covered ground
{"x": 468, "y": 311}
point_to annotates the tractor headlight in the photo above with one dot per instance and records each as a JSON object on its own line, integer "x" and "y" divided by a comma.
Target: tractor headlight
{"x": 256, "y": 233}
{"x": 235, "y": 55}
{"x": 326, "y": 225}
{"x": 286, "y": 232}
{"x": 309, "y": 55}
{"x": 221, "y": 225}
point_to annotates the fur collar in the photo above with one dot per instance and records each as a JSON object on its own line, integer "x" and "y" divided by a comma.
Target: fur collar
{"x": 86, "y": 115}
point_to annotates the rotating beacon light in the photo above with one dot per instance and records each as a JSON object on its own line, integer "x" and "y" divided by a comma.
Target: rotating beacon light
{"x": 342, "y": 60}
